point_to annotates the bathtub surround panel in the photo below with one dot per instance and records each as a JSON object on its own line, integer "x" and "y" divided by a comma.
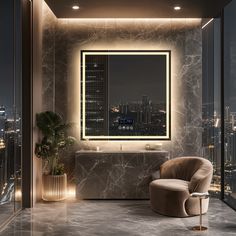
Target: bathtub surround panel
{"x": 116, "y": 175}
{"x": 61, "y": 72}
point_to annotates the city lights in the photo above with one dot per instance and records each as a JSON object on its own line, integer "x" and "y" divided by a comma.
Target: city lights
{"x": 10, "y": 147}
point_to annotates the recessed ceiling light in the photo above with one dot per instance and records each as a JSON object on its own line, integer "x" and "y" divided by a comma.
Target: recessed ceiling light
{"x": 75, "y": 7}
{"x": 177, "y": 8}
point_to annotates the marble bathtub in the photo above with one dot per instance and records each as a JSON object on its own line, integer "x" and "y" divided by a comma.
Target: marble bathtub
{"x": 116, "y": 174}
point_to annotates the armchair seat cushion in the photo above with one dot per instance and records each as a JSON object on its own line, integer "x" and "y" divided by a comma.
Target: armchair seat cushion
{"x": 168, "y": 196}
{"x": 171, "y": 184}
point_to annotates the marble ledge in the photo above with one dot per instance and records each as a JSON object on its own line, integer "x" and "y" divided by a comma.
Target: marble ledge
{"x": 122, "y": 151}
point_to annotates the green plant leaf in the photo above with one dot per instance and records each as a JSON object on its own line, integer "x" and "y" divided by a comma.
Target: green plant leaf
{"x": 54, "y": 139}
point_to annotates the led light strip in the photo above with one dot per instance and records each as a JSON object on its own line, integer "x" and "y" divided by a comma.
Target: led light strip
{"x": 167, "y": 54}
{"x": 208, "y": 22}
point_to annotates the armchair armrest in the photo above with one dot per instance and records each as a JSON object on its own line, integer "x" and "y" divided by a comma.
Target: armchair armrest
{"x": 200, "y": 195}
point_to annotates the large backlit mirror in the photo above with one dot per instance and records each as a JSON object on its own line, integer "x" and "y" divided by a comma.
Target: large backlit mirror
{"x": 125, "y": 95}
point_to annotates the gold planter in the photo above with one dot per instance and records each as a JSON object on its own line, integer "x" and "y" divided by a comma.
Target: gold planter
{"x": 54, "y": 187}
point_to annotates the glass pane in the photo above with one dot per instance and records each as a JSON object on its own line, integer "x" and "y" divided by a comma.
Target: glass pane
{"x": 10, "y": 109}
{"x": 6, "y": 110}
{"x": 230, "y": 103}
{"x": 211, "y": 100}
{"x": 17, "y": 107}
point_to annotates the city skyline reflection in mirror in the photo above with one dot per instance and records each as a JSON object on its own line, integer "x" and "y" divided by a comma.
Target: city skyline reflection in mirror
{"x": 125, "y": 95}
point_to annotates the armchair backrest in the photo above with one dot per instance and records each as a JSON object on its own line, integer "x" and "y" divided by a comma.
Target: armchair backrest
{"x": 198, "y": 171}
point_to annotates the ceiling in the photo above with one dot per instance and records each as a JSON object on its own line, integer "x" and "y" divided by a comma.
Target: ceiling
{"x": 137, "y": 8}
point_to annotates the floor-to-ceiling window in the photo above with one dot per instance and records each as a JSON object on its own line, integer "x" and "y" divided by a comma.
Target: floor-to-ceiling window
{"x": 211, "y": 98}
{"x": 213, "y": 82}
{"x": 10, "y": 109}
{"x": 230, "y": 104}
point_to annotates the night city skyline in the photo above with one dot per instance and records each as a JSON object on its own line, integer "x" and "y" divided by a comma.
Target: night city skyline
{"x": 138, "y": 118}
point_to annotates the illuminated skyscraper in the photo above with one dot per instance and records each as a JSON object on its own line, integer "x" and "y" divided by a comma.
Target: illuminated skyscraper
{"x": 146, "y": 108}
{"x": 2, "y": 121}
{"x": 96, "y": 83}
{"x": 227, "y": 113}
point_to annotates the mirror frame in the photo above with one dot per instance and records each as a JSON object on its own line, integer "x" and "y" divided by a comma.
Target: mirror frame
{"x": 166, "y": 53}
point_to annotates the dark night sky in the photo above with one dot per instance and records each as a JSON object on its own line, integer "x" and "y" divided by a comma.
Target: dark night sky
{"x": 131, "y": 76}
{"x": 6, "y": 53}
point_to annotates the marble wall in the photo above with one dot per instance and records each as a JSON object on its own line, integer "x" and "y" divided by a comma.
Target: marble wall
{"x": 64, "y": 38}
{"x": 48, "y": 58}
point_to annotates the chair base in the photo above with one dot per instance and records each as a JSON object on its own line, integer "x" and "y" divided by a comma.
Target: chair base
{"x": 199, "y": 228}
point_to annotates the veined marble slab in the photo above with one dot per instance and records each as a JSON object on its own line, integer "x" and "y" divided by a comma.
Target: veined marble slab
{"x": 116, "y": 175}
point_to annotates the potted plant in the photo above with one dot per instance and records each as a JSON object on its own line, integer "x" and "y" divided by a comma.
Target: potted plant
{"x": 54, "y": 140}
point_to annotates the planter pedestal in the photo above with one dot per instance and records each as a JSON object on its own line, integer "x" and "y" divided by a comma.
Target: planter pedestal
{"x": 54, "y": 187}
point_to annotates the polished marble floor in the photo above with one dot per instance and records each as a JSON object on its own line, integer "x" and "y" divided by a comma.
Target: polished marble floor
{"x": 6, "y": 211}
{"x": 115, "y": 218}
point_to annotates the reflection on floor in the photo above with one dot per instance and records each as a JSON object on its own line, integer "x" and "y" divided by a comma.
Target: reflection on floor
{"x": 6, "y": 211}
{"x": 120, "y": 218}
{"x": 231, "y": 199}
